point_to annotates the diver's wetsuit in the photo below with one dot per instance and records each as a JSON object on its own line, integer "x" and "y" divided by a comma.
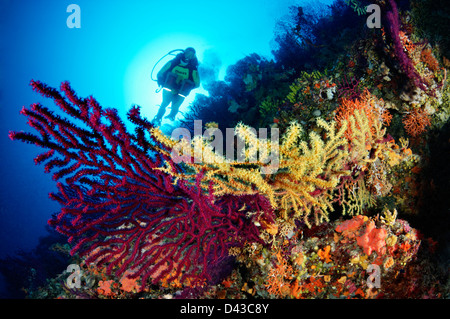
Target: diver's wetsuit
{"x": 178, "y": 77}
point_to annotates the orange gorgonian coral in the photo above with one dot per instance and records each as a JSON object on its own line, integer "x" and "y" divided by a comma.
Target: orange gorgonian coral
{"x": 372, "y": 107}
{"x": 427, "y": 57}
{"x": 416, "y": 122}
{"x": 279, "y": 277}
{"x": 408, "y": 45}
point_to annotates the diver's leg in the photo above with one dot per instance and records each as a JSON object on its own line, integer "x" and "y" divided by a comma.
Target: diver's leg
{"x": 167, "y": 97}
{"x": 176, "y": 103}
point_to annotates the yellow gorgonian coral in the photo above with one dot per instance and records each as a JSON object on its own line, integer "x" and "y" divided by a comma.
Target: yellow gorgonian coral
{"x": 298, "y": 173}
{"x": 297, "y": 176}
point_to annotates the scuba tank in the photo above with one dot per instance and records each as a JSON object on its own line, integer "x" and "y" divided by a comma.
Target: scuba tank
{"x": 172, "y": 53}
{"x": 169, "y": 83}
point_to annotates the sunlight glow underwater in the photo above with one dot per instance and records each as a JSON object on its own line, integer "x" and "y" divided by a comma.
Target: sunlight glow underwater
{"x": 110, "y": 57}
{"x": 140, "y": 89}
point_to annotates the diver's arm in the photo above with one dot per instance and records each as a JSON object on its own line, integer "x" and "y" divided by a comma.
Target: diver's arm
{"x": 164, "y": 69}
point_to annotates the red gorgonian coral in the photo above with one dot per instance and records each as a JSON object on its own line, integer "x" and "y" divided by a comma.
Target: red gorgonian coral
{"x": 416, "y": 122}
{"x": 119, "y": 209}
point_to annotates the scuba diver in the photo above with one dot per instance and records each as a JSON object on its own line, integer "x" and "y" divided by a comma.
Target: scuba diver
{"x": 177, "y": 78}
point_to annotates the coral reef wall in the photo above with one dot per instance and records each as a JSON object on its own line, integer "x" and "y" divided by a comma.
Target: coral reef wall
{"x": 338, "y": 197}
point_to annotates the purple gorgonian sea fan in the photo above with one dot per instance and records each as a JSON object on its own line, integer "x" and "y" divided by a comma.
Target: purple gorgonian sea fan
{"x": 119, "y": 209}
{"x": 405, "y": 62}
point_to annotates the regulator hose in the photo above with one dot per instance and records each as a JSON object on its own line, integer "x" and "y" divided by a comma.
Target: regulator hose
{"x": 170, "y": 53}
